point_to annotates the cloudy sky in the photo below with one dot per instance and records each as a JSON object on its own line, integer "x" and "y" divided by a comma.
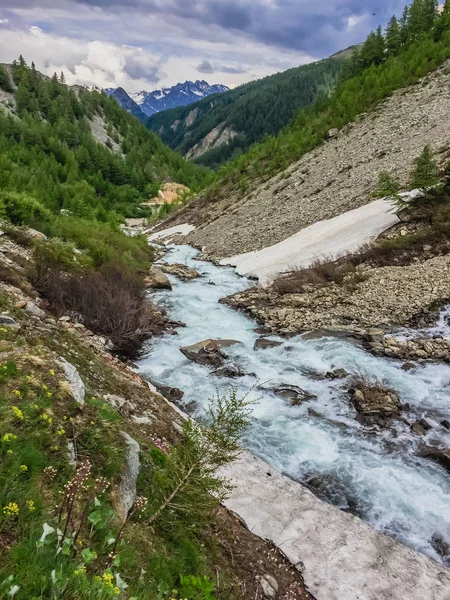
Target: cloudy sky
{"x": 148, "y": 44}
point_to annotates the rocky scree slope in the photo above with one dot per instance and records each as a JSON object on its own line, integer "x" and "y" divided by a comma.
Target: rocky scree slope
{"x": 334, "y": 178}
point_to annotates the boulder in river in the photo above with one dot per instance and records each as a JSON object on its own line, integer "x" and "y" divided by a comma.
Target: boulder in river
{"x": 375, "y": 404}
{"x": 295, "y": 394}
{"x": 441, "y": 545}
{"x": 208, "y": 352}
{"x": 231, "y": 371}
{"x": 440, "y": 455}
{"x": 181, "y": 271}
{"x": 263, "y": 343}
{"x": 157, "y": 280}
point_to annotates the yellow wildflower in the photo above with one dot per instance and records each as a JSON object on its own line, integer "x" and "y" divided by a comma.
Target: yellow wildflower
{"x": 17, "y": 412}
{"x": 44, "y": 387}
{"x": 92, "y": 422}
{"x": 49, "y": 394}
{"x": 52, "y": 372}
{"x": 23, "y": 468}
{"x": 9, "y": 437}
{"x": 9, "y": 452}
{"x": 46, "y": 418}
{"x": 30, "y": 505}
{"x": 116, "y": 591}
{"x": 61, "y": 431}
{"x": 11, "y": 510}
{"x": 54, "y": 448}
{"x": 17, "y": 393}
{"x": 36, "y": 406}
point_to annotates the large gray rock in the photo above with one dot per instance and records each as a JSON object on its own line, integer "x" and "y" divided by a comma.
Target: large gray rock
{"x": 375, "y": 404}
{"x": 74, "y": 380}
{"x": 127, "y": 488}
{"x": 7, "y": 321}
{"x": 157, "y": 280}
{"x": 208, "y": 352}
{"x": 32, "y": 309}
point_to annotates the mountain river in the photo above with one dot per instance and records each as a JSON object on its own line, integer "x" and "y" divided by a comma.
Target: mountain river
{"x": 373, "y": 473}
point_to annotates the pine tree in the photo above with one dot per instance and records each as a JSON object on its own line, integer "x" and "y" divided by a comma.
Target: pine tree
{"x": 425, "y": 173}
{"x": 404, "y": 26}
{"x": 393, "y": 37}
{"x": 62, "y": 78}
{"x": 5, "y": 82}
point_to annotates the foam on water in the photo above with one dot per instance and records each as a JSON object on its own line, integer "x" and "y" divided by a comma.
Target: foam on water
{"x": 386, "y": 484}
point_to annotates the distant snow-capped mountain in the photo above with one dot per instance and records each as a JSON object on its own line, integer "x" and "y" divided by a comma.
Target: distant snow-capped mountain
{"x": 150, "y": 103}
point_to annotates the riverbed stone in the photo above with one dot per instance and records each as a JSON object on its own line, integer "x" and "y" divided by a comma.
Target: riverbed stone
{"x": 183, "y": 272}
{"x": 442, "y": 456}
{"x": 295, "y": 394}
{"x": 208, "y": 352}
{"x": 263, "y": 343}
{"x": 375, "y": 404}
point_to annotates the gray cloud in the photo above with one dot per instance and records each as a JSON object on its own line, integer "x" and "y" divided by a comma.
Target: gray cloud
{"x": 206, "y": 67}
{"x": 308, "y": 26}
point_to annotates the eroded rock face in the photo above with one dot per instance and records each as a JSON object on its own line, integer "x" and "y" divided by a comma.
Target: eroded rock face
{"x": 375, "y": 405}
{"x": 208, "y": 352}
{"x": 181, "y": 271}
{"x": 157, "y": 280}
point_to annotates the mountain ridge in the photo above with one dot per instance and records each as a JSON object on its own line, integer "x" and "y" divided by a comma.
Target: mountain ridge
{"x": 145, "y": 104}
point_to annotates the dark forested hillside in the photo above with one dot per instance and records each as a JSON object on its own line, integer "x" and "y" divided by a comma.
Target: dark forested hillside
{"x": 246, "y": 114}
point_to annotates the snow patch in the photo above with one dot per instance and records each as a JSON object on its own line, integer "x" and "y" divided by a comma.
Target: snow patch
{"x": 183, "y": 229}
{"x": 327, "y": 239}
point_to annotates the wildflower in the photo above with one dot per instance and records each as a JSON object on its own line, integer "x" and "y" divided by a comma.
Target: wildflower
{"x": 50, "y": 473}
{"x": 30, "y": 505}
{"x": 92, "y": 422}
{"x": 54, "y": 448}
{"x": 141, "y": 504}
{"x": 9, "y": 452}
{"x": 80, "y": 571}
{"x": 61, "y": 431}
{"x": 44, "y": 387}
{"x": 23, "y": 468}
{"x": 17, "y": 412}
{"x": 49, "y": 394}
{"x": 46, "y": 418}
{"x": 11, "y": 510}
{"x": 28, "y": 378}
{"x": 17, "y": 393}
{"x": 36, "y": 406}
{"x": 116, "y": 591}
{"x": 52, "y": 372}
{"x": 9, "y": 437}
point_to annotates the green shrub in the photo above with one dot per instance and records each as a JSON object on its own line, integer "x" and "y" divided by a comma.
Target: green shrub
{"x": 22, "y": 209}
{"x": 425, "y": 173}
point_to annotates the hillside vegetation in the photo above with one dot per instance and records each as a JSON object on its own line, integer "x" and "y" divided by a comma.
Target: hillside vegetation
{"x": 248, "y": 112}
{"x": 74, "y": 165}
{"x": 410, "y": 48}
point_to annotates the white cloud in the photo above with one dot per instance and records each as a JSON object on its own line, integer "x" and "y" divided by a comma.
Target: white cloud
{"x": 4, "y": 21}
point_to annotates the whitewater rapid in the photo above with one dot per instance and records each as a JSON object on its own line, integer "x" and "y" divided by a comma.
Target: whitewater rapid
{"x": 376, "y": 474}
